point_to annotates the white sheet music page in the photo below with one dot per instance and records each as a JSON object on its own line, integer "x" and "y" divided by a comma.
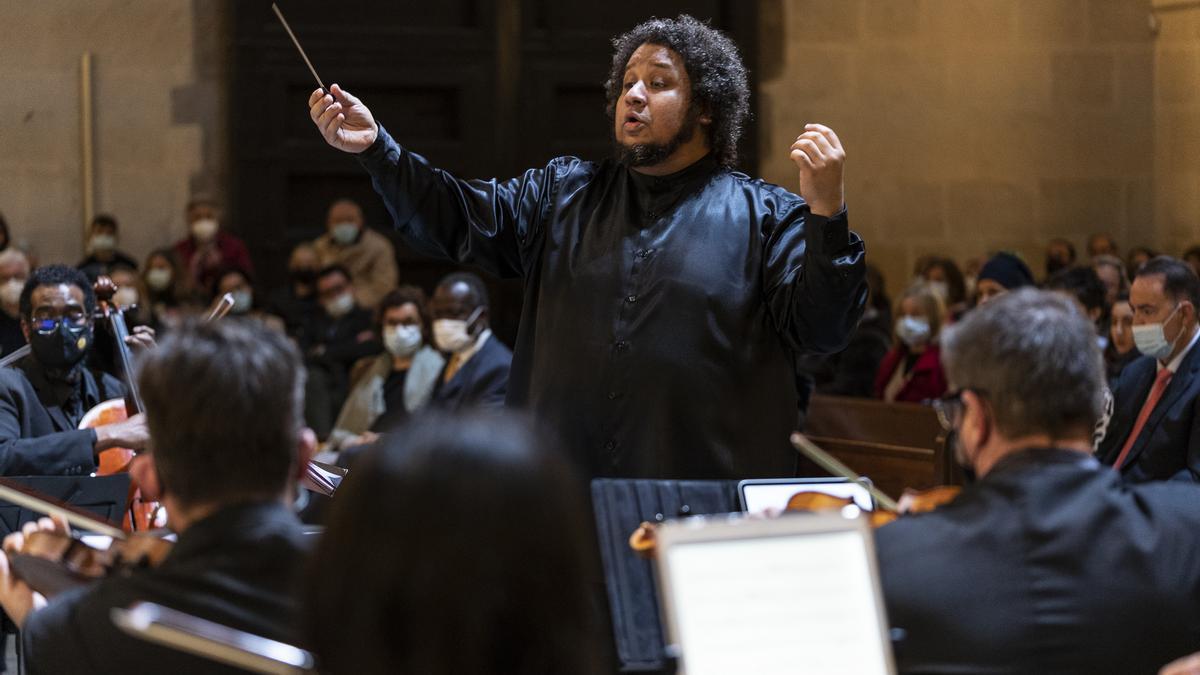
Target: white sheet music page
{"x": 792, "y": 604}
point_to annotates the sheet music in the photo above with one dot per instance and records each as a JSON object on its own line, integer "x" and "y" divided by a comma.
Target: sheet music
{"x": 787, "y": 604}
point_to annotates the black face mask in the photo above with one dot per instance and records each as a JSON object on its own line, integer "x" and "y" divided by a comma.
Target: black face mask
{"x": 63, "y": 348}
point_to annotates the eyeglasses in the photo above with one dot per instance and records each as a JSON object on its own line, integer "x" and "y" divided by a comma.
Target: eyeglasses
{"x": 46, "y": 324}
{"x": 949, "y": 408}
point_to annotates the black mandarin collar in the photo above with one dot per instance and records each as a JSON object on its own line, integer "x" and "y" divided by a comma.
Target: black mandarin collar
{"x": 659, "y": 193}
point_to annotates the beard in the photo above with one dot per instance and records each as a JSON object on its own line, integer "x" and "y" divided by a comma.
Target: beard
{"x": 649, "y": 154}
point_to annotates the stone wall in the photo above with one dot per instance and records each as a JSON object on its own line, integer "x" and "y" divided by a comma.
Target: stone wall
{"x": 1177, "y": 121}
{"x": 974, "y": 125}
{"x": 159, "y": 117}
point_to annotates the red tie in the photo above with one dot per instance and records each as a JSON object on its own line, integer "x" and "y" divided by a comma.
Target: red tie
{"x": 1156, "y": 392}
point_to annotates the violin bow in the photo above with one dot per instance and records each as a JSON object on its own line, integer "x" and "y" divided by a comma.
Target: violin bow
{"x": 223, "y": 306}
{"x": 832, "y": 465}
{"x": 20, "y": 495}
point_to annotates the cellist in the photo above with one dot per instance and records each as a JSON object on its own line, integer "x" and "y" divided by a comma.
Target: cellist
{"x": 45, "y": 395}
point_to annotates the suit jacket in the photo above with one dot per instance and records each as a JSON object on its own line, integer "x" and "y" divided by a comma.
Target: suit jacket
{"x": 37, "y": 436}
{"x": 1048, "y": 564}
{"x": 1169, "y": 445}
{"x": 238, "y": 567}
{"x": 480, "y": 382}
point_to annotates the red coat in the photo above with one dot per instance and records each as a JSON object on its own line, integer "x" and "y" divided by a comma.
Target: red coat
{"x": 926, "y": 380}
{"x": 230, "y": 253}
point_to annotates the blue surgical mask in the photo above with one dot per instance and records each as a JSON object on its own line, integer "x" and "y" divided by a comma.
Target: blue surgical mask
{"x": 345, "y": 233}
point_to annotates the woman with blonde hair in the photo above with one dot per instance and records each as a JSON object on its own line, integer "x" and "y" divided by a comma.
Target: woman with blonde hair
{"x": 912, "y": 370}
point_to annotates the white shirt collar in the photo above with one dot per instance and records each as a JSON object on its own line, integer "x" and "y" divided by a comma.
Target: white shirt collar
{"x": 465, "y": 355}
{"x": 1173, "y": 366}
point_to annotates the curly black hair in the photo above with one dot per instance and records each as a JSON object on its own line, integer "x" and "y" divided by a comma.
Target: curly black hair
{"x": 55, "y": 275}
{"x": 713, "y": 65}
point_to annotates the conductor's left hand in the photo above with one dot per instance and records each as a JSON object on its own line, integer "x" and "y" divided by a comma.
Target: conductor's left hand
{"x": 819, "y": 155}
{"x": 342, "y": 119}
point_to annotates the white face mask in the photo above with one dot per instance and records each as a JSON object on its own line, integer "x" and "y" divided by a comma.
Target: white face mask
{"x": 102, "y": 243}
{"x": 243, "y": 300}
{"x": 340, "y": 306}
{"x": 1151, "y": 340}
{"x": 451, "y": 335}
{"x": 345, "y": 233}
{"x": 402, "y": 340}
{"x": 158, "y": 279}
{"x": 913, "y": 331}
{"x": 204, "y": 229}
{"x": 940, "y": 289}
{"x": 10, "y": 292}
{"x": 126, "y": 297}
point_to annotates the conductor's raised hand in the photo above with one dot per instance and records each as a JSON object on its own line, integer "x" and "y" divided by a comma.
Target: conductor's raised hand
{"x": 819, "y": 155}
{"x": 342, "y": 119}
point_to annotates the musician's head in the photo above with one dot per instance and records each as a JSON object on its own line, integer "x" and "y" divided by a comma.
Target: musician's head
{"x": 466, "y": 542}
{"x": 1024, "y": 372}
{"x": 677, "y": 88}
{"x": 224, "y": 404}
{"x": 56, "y": 305}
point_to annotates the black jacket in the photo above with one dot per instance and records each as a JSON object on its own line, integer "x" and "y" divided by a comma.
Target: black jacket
{"x": 661, "y": 316}
{"x": 1169, "y": 445}
{"x": 480, "y": 382}
{"x": 1049, "y": 564}
{"x": 238, "y": 567}
{"x": 38, "y": 421}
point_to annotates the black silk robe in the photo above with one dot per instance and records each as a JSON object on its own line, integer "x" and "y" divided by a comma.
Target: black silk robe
{"x": 661, "y": 316}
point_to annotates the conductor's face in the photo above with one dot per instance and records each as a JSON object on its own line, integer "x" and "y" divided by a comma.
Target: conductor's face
{"x": 654, "y": 116}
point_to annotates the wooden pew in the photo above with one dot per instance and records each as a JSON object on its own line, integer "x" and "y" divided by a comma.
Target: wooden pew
{"x": 896, "y": 445}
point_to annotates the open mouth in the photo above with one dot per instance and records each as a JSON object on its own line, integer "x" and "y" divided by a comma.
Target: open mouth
{"x": 633, "y": 123}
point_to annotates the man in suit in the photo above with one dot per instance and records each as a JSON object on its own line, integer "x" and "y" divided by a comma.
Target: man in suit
{"x": 45, "y": 395}
{"x": 1154, "y": 433}
{"x": 224, "y": 404}
{"x": 477, "y": 364}
{"x": 1049, "y": 562}
{"x": 342, "y": 333}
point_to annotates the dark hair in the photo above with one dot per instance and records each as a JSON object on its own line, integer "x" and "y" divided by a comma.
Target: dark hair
{"x": 1097, "y": 237}
{"x": 1193, "y": 252}
{"x": 404, "y": 295}
{"x": 718, "y": 78}
{"x": 1179, "y": 279}
{"x": 53, "y": 275}
{"x": 479, "y": 294}
{"x": 1064, "y": 242}
{"x": 1083, "y": 283}
{"x": 1032, "y": 354}
{"x": 398, "y": 546}
{"x": 956, "y": 286}
{"x": 224, "y": 405}
{"x": 5, "y": 233}
{"x": 335, "y": 268}
{"x": 225, "y": 271}
{"x": 1135, "y": 252}
{"x": 105, "y": 220}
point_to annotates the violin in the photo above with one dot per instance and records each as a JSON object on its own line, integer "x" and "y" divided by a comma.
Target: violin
{"x": 141, "y": 514}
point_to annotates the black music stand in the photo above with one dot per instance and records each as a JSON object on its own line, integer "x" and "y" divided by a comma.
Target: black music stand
{"x": 620, "y": 505}
{"x": 105, "y": 496}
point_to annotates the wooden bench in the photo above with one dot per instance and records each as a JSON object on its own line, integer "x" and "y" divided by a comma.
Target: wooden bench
{"x": 896, "y": 445}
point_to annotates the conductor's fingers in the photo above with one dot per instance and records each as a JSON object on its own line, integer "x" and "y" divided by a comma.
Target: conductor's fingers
{"x": 317, "y": 95}
{"x": 330, "y": 113}
{"x": 331, "y": 130}
{"x": 317, "y": 109}
{"x": 343, "y": 95}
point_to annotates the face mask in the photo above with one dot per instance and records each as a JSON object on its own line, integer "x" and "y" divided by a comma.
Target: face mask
{"x": 126, "y": 297}
{"x": 1152, "y": 341}
{"x": 402, "y": 340}
{"x": 340, "y": 306}
{"x": 452, "y": 335}
{"x": 345, "y": 233}
{"x": 204, "y": 229}
{"x": 158, "y": 279}
{"x": 912, "y": 331}
{"x": 940, "y": 289}
{"x": 63, "y": 348}
{"x": 102, "y": 243}
{"x": 10, "y": 292}
{"x": 242, "y": 301}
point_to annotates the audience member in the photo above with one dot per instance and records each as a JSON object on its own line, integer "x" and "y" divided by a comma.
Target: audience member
{"x": 1047, "y": 563}
{"x": 1111, "y": 271}
{"x": 1060, "y": 254}
{"x": 103, "y": 255}
{"x": 477, "y": 365}
{"x": 1154, "y": 433}
{"x": 912, "y": 370}
{"x": 1002, "y": 273}
{"x": 296, "y": 301}
{"x": 851, "y": 372}
{"x": 1138, "y": 256}
{"x": 342, "y": 333}
{"x": 1192, "y": 258}
{"x": 368, "y": 255}
{"x": 14, "y": 270}
{"x": 1121, "y": 349}
{"x": 208, "y": 248}
{"x": 223, "y": 404}
{"x": 946, "y": 281}
{"x": 1082, "y": 285}
{"x": 425, "y": 604}
{"x": 5, "y": 237}
{"x": 165, "y": 294}
{"x": 970, "y": 271}
{"x": 1102, "y": 244}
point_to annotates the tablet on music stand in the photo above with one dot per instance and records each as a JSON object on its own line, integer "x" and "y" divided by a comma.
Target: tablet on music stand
{"x": 795, "y": 594}
{"x": 757, "y": 495}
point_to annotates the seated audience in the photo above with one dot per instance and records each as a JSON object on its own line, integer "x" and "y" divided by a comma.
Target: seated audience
{"x": 1111, "y": 271}
{"x": 45, "y": 395}
{"x": 390, "y": 387}
{"x": 1047, "y": 563}
{"x": 1154, "y": 433}
{"x": 912, "y": 370}
{"x": 477, "y": 363}
{"x": 1102, "y": 244}
{"x": 208, "y": 248}
{"x": 368, "y": 255}
{"x": 1121, "y": 350}
{"x": 851, "y": 372}
{"x": 422, "y": 601}
{"x": 14, "y": 270}
{"x": 342, "y": 333}
{"x": 103, "y": 255}
{"x": 946, "y": 281}
{"x": 1082, "y": 285}
{"x": 1002, "y": 273}
{"x": 166, "y": 293}
{"x": 1138, "y": 256}
{"x": 296, "y": 301}
{"x": 223, "y": 403}
{"x": 1060, "y": 255}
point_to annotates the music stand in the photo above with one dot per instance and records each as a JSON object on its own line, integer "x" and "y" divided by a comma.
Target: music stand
{"x": 104, "y": 496}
